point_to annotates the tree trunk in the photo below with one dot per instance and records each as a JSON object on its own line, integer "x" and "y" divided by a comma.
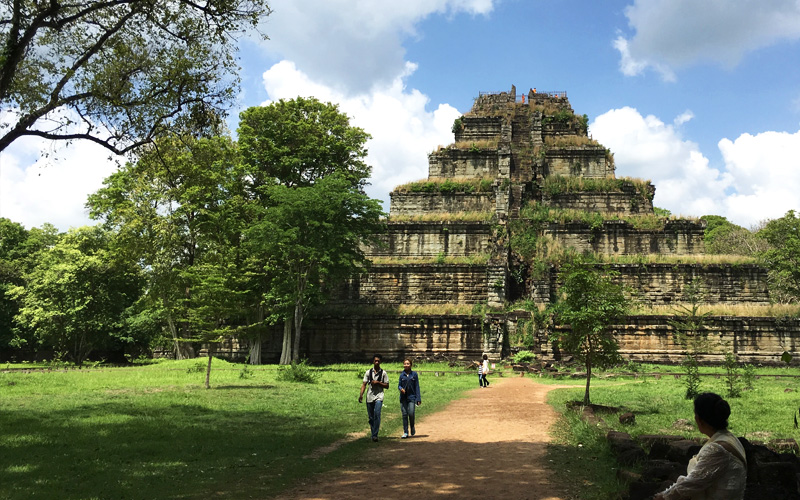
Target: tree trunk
{"x": 588, "y": 380}
{"x": 176, "y": 344}
{"x": 255, "y": 344}
{"x": 254, "y": 357}
{"x": 208, "y": 368}
{"x": 286, "y": 350}
{"x": 298, "y": 324}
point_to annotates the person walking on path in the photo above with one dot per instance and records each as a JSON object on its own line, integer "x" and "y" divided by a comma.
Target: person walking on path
{"x": 378, "y": 380}
{"x": 480, "y": 373}
{"x": 485, "y": 370}
{"x": 410, "y": 396}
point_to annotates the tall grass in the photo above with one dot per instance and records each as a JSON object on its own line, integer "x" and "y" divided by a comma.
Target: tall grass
{"x": 745, "y": 310}
{"x": 541, "y": 213}
{"x": 720, "y": 259}
{"x": 558, "y": 184}
{"x": 448, "y": 185}
{"x": 560, "y": 141}
{"x": 445, "y": 217}
{"x": 480, "y": 259}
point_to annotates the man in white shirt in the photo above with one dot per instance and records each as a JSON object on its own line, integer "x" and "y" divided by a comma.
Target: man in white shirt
{"x": 378, "y": 380}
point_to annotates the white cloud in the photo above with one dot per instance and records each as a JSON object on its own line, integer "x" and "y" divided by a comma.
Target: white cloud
{"x": 670, "y": 34}
{"x": 352, "y": 44}
{"x": 646, "y": 147}
{"x": 403, "y": 131}
{"x": 766, "y": 173}
{"x": 53, "y": 188}
{"x": 761, "y": 179}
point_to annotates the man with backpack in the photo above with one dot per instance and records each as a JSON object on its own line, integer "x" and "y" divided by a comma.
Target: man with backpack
{"x": 378, "y": 380}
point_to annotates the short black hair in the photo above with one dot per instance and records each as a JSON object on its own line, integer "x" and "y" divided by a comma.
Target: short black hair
{"x": 485, "y": 356}
{"x": 380, "y": 358}
{"x": 713, "y": 410}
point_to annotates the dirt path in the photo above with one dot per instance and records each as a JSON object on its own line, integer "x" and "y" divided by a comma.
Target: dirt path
{"x": 490, "y": 444}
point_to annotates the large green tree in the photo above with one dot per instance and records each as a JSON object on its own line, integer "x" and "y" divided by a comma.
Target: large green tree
{"x": 293, "y": 144}
{"x": 591, "y": 302}
{"x": 173, "y": 211}
{"x": 18, "y": 250}
{"x": 311, "y": 238}
{"x": 117, "y": 72}
{"x": 76, "y": 295}
{"x": 724, "y": 237}
{"x": 782, "y": 258}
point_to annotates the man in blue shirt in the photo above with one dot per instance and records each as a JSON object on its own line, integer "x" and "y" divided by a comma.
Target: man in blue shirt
{"x": 410, "y": 396}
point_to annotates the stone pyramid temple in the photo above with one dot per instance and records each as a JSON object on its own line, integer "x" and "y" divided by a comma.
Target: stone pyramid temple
{"x": 472, "y": 250}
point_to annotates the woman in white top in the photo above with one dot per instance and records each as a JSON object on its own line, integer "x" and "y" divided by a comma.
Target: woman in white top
{"x": 719, "y": 470}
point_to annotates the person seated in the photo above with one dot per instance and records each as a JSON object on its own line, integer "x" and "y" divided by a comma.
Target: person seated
{"x": 719, "y": 470}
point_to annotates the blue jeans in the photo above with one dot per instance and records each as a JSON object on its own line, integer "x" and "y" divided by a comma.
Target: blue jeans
{"x": 374, "y": 413}
{"x": 407, "y": 409}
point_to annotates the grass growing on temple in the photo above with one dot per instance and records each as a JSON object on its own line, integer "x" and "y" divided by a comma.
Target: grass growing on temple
{"x": 155, "y": 432}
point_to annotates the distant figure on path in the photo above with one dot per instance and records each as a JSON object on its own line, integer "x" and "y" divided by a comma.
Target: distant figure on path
{"x": 378, "y": 380}
{"x": 410, "y": 396}
{"x": 480, "y": 373}
{"x": 719, "y": 470}
{"x": 485, "y": 370}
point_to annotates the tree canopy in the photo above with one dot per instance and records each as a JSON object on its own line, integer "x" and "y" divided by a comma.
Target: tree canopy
{"x": 299, "y": 141}
{"x": 304, "y": 172}
{"x": 76, "y": 295}
{"x": 782, "y": 258}
{"x": 117, "y": 72}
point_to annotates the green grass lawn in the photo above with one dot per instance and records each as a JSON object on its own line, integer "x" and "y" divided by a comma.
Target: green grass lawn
{"x": 155, "y": 432}
{"x": 581, "y": 457}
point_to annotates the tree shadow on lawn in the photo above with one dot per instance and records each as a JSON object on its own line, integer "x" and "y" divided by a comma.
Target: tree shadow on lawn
{"x": 120, "y": 449}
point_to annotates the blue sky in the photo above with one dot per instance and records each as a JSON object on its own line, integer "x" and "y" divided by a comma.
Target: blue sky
{"x": 703, "y": 98}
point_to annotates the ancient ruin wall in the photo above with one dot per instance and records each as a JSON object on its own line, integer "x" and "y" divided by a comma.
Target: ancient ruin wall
{"x": 428, "y": 203}
{"x": 455, "y": 162}
{"x": 666, "y": 284}
{"x": 479, "y": 128}
{"x": 432, "y": 239}
{"x": 624, "y": 203}
{"x": 336, "y": 339}
{"x": 418, "y": 284}
{"x": 619, "y": 238}
{"x": 753, "y": 340}
{"x": 579, "y": 161}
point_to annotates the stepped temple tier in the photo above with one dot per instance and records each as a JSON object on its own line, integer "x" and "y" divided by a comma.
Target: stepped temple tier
{"x": 472, "y": 249}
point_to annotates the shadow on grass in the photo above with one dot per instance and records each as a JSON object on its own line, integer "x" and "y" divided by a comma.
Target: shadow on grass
{"x": 153, "y": 447}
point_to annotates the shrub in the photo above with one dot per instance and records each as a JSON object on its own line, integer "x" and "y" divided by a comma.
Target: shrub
{"x": 298, "y": 372}
{"x": 524, "y": 357}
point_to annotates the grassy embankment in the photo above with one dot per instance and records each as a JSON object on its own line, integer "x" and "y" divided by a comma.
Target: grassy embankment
{"x": 581, "y": 455}
{"x": 155, "y": 432}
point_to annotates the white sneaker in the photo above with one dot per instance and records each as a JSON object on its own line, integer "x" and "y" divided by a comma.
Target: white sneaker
{"x": 405, "y": 435}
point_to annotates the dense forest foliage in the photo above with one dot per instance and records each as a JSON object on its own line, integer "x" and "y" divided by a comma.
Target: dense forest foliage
{"x": 199, "y": 239}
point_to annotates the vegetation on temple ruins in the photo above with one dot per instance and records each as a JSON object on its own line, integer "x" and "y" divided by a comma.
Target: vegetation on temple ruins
{"x": 445, "y": 217}
{"x": 448, "y": 186}
{"x": 559, "y": 184}
{"x": 782, "y": 257}
{"x": 562, "y": 141}
{"x": 478, "y": 259}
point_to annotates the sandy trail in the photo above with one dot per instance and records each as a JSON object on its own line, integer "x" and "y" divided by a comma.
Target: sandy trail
{"x": 490, "y": 444}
